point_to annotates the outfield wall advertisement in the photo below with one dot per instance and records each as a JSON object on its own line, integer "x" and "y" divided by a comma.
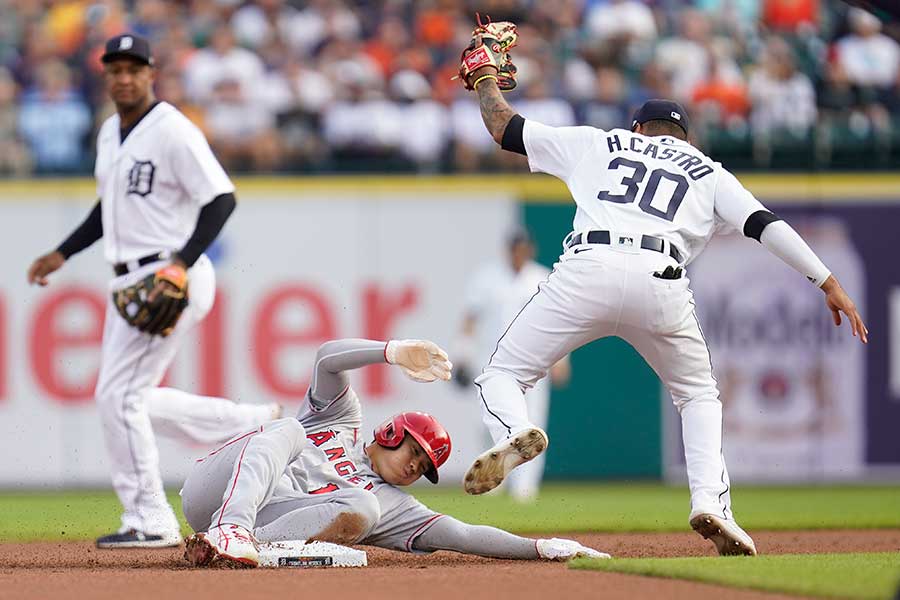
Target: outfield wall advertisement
{"x": 802, "y": 400}
{"x": 290, "y": 276}
{"x": 306, "y": 261}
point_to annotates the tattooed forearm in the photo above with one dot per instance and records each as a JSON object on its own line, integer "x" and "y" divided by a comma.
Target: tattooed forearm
{"x": 494, "y": 109}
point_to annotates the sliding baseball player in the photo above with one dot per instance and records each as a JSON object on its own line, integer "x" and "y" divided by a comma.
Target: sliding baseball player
{"x": 317, "y": 477}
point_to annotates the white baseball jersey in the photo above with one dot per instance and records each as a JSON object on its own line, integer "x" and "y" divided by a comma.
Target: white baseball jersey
{"x": 633, "y": 184}
{"x": 153, "y": 184}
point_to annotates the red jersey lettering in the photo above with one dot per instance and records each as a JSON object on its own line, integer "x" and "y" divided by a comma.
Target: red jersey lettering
{"x": 321, "y": 437}
{"x": 331, "y": 487}
{"x": 344, "y": 468}
{"x": 335, "y": 453}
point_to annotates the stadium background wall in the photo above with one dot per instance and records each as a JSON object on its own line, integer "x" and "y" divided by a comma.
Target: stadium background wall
{"x": 335, "y": 248}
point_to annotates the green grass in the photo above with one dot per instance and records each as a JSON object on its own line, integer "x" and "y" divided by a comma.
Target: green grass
{"x": 651, "y": 507}
{"x": 860, "y": 575}
{"x": 586, "y": 507}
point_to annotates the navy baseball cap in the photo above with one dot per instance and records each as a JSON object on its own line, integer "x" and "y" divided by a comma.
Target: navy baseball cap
{"x": 663, "y": 110}
{"x": 128, "y": 45}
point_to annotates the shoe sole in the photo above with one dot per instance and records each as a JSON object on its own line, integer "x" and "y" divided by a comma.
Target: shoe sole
{"x": 709, "y": 527}
{"x": 199, "y": 552}
{"x": 491, "y": 468}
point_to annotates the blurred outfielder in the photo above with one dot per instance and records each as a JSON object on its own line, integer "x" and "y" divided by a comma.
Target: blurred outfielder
{"x": 495, "y": 295}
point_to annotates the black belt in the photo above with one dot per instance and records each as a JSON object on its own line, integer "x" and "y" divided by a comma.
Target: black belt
{"x": 648, "y": 242}
{"x": 123, "y": 268}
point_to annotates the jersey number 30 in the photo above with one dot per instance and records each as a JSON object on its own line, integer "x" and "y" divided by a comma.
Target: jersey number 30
{"x": 631, "y": 183}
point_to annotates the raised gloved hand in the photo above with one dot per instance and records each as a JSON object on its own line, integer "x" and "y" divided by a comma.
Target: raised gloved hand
{"x": 563, "y": 550}
{"x": 420, "y": 360}
{"x": 489, "y": 47}
{"x": 155, "y": 303}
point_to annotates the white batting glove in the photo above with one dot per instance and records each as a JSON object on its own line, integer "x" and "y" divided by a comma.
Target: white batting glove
{"x": 563, "y": 550}
{"x": 420, "y": 360}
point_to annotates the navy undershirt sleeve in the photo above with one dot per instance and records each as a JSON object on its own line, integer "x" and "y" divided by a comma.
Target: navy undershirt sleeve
{"x": 513, "y": 139}
{"x": 86, "y": 234}
{"x": 210, "y": 222}
{"x": 755, "y": 223}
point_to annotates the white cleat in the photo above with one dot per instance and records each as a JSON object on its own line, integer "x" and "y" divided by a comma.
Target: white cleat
{"x": 224, "y": 547}
{"x": 491, "y": 468}
{"x": 729, "y": 538}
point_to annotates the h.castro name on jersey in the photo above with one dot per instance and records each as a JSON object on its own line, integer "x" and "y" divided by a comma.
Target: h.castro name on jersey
{"x": 690, "y": 164}
{"x": 329, "y": 442}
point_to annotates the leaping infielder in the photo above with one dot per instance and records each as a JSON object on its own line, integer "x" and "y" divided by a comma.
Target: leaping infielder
{"x": 647, "y": 202}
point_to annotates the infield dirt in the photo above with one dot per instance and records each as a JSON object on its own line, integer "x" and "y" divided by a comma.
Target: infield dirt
{"x": 50, "y": 571}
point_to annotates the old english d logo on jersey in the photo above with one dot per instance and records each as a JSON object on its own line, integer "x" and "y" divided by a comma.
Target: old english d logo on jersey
{"x": 140, "y": 178}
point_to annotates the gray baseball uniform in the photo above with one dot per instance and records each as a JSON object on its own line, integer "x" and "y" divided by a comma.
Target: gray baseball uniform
{"x": 291, "y": 478}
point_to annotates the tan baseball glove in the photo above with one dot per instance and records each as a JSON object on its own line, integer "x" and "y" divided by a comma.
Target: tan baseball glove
{"x": 490, "y": 47}
{"x": 155, "y": 303}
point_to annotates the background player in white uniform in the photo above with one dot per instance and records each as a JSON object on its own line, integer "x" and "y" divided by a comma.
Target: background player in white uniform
{"x": 314, "y": 477}
{"x": 647, "y": 203}
{"x": 496, "y": 294}
{"x": 163, "y": 198}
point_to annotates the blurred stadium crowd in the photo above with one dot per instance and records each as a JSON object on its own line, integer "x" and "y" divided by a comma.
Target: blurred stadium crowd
{"x": 330, "y": 85}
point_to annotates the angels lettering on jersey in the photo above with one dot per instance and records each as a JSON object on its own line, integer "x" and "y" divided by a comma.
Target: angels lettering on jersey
{"x": 329, "y": 442}
{"x": 140, "y": 177}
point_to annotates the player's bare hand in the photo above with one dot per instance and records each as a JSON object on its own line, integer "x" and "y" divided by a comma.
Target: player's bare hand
{"x": 420, "y": 360}
{"x": 839, "y": 302}
{"x": 43, "y": 266}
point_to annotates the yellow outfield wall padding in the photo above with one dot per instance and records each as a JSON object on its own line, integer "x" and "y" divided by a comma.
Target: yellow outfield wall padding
{"x": 786, "y": 188}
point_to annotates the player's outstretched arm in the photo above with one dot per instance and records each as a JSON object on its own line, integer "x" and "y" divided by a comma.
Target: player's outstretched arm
{"x": 420, "y": 360}
{"x": 90, "y": 230}
{"x": 839, "y": 302}
{"x": 448, "y": 533}
{"x": 737, "y": 207}
{"x": 495, "y": 110}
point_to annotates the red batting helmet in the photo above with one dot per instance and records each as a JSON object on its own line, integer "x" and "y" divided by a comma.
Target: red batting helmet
{"x": 425, "y": 429}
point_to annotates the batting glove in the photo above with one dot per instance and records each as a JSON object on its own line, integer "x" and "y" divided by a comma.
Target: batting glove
{"x": 420, "y": 360}
{"x": 563, "y": 550}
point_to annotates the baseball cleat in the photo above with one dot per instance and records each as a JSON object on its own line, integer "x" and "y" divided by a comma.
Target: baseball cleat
{"x": 224, "y": 547}
{"x": 491, "y": 468}
{"x": 729, "y": 538}
{"x": 132, "y": 538}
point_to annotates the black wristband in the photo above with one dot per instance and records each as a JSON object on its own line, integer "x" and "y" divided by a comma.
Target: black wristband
{"x": 210, "y": 221}
{"x": 513, "y": 139}
{"x": 90, "y": 230}
{"x": 758, "y": 221}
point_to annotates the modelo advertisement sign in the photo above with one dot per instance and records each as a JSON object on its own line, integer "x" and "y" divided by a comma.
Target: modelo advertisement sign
{"x": 803, "y": 400}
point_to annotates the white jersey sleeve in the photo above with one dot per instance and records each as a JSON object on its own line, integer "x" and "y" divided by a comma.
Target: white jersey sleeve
{"x": 733, "y": 202}
{"x": 403, "y": 519}
{"x": 556, "y": 151}
{"x": 195, "y": 166}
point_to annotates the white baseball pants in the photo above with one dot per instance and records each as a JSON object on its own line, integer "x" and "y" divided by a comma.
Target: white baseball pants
{"x": 524, "y": 482}
{"x": 597, "y": 291}
{"x": 132, "y": 365}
